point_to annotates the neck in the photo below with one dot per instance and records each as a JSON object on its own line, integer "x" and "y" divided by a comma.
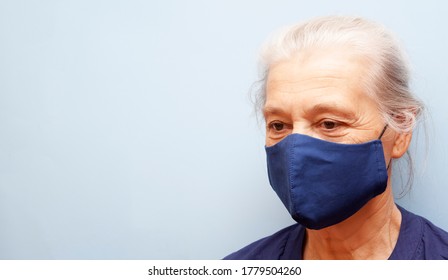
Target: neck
{"x": 371, "y": 233}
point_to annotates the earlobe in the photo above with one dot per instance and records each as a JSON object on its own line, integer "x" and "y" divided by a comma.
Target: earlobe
{"x": 401, "y": 144}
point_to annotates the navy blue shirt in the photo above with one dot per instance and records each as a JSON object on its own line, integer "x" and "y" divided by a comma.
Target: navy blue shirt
{"x": 418, "y": 239}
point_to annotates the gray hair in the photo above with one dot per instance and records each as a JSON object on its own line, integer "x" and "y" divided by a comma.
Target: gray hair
{"x": 387, "y": 78}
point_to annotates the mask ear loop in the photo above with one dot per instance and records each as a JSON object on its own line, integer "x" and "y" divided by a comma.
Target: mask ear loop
{"x": 382, "y": 132}
{"x": 379, "y": 138}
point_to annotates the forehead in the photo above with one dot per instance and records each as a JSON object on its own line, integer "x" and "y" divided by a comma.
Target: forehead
{"x": 333, "y": 76}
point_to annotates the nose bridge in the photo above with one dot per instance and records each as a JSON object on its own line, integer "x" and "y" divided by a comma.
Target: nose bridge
{"x": 299, "y": 127}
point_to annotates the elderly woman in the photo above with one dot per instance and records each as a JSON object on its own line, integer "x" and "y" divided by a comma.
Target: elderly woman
{"x": 339, "y": 112}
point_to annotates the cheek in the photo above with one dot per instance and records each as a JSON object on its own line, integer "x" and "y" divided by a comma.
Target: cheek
{"x": 269, "y": 141}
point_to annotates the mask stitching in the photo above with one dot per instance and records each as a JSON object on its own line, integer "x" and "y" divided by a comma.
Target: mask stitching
{"x": 291, "y": 159}
{"x": 378, "y": 164}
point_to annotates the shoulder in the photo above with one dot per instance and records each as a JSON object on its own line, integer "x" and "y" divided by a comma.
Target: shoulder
{"x": 268, "y": 248}
{"x": 435, "y": 242}
{"x": 429, "y": 241}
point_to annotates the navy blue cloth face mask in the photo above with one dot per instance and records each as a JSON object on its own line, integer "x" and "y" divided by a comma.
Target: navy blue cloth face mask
{"x": 323, "y": 183}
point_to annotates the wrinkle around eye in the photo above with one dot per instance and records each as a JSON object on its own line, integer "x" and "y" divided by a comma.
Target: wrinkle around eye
{"x": 273, "y": 133}
{"x": 339, "y": 130}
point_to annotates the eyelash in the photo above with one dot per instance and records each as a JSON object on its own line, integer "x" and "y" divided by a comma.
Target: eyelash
{"x": 272, "y": 124}
{"x": 333, "y": 122}
{"x": 335, "y": 132}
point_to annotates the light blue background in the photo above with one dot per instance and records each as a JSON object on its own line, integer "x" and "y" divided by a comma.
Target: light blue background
{"x": 126, "y": 130}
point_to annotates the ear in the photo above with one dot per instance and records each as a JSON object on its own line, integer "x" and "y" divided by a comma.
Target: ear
{"x": 401, "y": 144}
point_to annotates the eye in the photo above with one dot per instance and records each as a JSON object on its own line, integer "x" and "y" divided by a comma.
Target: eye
{"x": 278, "y": 126}
{"x": 329, "y": 125}
{"x": 331, "y": 129}
{"x": 278, "y": 129}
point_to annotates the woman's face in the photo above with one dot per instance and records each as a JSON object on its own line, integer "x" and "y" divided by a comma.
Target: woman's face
{"x": 320, "y": 94}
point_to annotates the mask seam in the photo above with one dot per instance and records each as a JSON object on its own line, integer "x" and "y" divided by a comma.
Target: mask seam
{"x": 378, "y": 161}
{"x": 291, "y": 193}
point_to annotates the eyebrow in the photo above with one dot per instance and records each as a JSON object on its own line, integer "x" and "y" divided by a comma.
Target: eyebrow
{"x": 331, "y": 108}
{"x": 273, "y": 110}
{"x": 315, "y": 110}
